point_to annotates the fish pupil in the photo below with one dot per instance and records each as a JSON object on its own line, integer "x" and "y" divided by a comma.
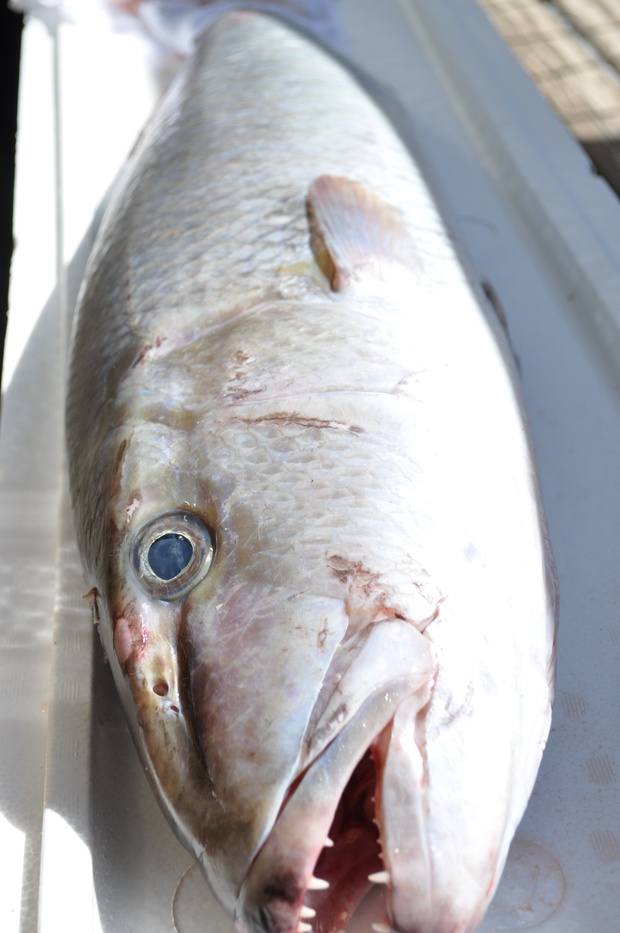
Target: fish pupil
{"x": 169, "y": 555}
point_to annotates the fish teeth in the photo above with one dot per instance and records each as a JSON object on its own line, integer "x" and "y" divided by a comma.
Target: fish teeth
{"x": 317, "y": 884}
{"x": 381, "y": 927}
{"x": 328, "y": 843}
{"x": 304, "y": 927}
{"x": 307, "y": 912}
{"x": 380, "y": 877}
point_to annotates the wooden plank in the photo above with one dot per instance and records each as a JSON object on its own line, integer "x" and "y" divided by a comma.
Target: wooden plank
{"x": 571, "y": 49}
{"x": 598, "y": 21}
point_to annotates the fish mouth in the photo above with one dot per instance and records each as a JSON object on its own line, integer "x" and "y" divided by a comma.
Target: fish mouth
{"x": 334, "y": 852}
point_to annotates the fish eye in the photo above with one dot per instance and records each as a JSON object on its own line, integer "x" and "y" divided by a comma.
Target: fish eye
{"x": 172, "y": 553}
{"x": 169, "y": 555}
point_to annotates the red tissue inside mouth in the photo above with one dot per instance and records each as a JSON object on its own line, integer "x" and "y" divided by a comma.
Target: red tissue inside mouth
{"x": 355, "y": 855}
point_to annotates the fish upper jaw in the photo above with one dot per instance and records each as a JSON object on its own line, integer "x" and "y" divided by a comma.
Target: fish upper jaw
{"x": 313, "y": 869}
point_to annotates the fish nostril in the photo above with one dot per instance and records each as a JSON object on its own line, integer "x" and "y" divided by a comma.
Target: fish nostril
{"x": 160, "y": 688}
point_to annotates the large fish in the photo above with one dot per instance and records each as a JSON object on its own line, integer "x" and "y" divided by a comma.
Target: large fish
{"x": 305, "y": 500}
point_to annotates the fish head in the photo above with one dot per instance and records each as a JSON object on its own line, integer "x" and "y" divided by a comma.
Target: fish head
{"x": 300, "y": 689}
{"x": 263, "y": 679}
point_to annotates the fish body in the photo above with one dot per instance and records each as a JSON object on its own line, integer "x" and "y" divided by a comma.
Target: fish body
{"x": 304, "y": 495}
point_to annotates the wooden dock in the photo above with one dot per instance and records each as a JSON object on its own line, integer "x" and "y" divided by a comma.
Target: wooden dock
{"x": 571, "y": 49}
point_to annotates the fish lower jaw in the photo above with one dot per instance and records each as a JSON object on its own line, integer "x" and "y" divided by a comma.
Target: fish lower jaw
{"x": 295, "y": 891}
{"x": 358, "y": 859}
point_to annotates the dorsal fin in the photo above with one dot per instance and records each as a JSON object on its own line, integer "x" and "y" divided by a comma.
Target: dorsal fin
{"x": 353, "y": 233}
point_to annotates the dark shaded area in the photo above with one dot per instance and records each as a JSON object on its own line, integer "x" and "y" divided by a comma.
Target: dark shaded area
{"x": 605, "y": 157}
{"x": 10, "y": 47}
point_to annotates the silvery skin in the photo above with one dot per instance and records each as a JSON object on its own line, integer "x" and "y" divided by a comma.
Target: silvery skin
{"x": 305, "y": 499}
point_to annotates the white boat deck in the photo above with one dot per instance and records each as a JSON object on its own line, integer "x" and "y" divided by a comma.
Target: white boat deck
{"x": 83, "y": 846}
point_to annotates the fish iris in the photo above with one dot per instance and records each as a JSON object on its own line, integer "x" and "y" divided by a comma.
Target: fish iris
{"x": 169, "y": 555}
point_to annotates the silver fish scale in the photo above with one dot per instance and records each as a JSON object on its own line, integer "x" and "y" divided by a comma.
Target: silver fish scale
{"x": 361, "y": 459}
{"x": 183, "y": 245}
{"x": 297, "y": 490}
{"x": 187, "y": 240}
{"x": 263, "y": 356}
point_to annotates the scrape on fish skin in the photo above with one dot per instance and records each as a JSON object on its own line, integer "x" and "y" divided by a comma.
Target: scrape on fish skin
{"x": 343, "y": 676}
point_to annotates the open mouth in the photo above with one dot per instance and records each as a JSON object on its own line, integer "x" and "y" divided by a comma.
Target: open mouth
{"x": 329, "y": 859}
{"x": 353, "y": 863}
